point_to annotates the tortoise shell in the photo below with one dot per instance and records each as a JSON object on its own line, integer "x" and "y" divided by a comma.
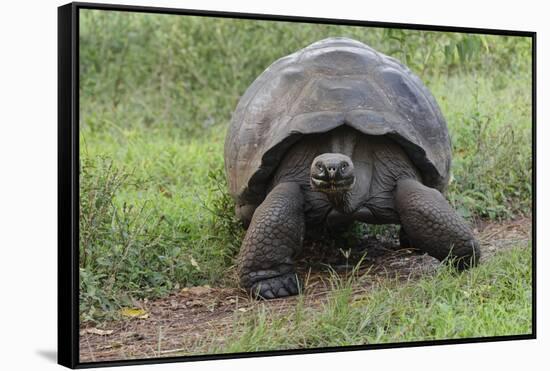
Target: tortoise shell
{"x": 333, "y": 82}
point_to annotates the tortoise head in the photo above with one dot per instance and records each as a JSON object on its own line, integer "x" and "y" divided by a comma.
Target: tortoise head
{"x": 332, "y": 173}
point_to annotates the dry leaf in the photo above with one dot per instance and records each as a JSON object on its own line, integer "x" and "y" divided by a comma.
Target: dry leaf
{"x": 134, "y": 313}
{"x": 197, "y": 290}
{"x": 243, "y": 310}
{"x": 195, "y": 264}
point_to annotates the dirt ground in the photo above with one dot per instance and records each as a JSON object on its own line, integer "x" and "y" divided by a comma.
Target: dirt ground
{"x": 186, "y": 321}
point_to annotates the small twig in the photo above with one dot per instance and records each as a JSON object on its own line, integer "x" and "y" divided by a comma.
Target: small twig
{"x": 173, "y": 351}
{"x": 92, "y": 355}
{"x": 159, "y": 340}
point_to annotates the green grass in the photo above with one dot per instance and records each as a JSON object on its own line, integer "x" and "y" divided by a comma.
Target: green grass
{"x": 156, "y": 97}
{"x": 491, "y": 300}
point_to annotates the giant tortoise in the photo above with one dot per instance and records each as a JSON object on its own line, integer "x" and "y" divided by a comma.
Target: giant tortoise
{"x": 335, "y": 133}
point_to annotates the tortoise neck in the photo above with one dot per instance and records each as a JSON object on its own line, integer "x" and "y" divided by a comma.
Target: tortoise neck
{"x": 341, "y": 201}
{"x": 343, "y": 140}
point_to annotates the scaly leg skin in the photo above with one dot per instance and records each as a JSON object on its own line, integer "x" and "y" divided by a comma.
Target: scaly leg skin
{"x": 274, "y": 237}
{"x": 433, "y": 226}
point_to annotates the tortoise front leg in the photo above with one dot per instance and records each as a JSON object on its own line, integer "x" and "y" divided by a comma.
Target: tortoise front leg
{"x": 432, "y": 226}
{"x": 274, "y": 237}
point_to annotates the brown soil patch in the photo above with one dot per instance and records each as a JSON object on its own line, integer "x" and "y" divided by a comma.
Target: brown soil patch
{"x": 187, "y": 321}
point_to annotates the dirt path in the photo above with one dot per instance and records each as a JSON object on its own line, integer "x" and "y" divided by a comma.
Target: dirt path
{"x": 178, "y": 324}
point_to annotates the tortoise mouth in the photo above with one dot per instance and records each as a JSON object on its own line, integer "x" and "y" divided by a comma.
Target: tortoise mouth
{"x": 333, "y": 186}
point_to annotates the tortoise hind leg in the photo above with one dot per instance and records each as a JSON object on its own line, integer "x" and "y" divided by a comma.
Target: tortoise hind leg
{"x": 431, "y": 224}
{"x": 274, "y": 237}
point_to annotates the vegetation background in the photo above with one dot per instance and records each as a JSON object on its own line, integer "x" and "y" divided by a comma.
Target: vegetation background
{"x": 156, "y": 96}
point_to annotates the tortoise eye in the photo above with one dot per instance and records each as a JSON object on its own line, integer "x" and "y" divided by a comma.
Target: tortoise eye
{"x": 319, "y": 166}
{"x": 344, "y": 166}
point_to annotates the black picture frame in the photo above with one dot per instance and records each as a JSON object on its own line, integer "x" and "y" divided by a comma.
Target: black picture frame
{"x": 68, "y": 179}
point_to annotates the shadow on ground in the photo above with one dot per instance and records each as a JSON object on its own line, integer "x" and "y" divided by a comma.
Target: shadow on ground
{"x": 50, "y": 355}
